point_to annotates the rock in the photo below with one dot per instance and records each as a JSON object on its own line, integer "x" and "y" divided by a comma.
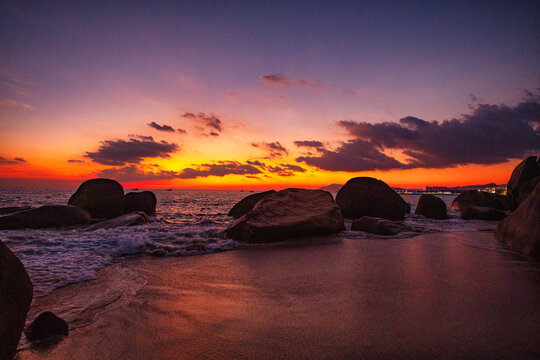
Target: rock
{"x": 286, "y": 214}
{"x": 521, "y": 230}
{"x": 45, "y": 216}
{"x": 13, "y": 209}
{"x": 479, "y": 199}
{"x": 247, "y": 203}
{"x": 481, "y": 213}
{"x": 15, "y": 298}
{"x": 134, "y": 218}
{"x": 140, "y": 201}
{"x": 526, "y": 189}
{"x": 527, "y": 170}
{"x": 378, "y": 226}
{"x": 431, "y": 207}
{"x": 102, "y": 198}
{"x": 365, "y": 196}
{"x": 46, "y": 325}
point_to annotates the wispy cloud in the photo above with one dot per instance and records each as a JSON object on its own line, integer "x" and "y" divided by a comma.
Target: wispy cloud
{"x": 14, "y": 161}
{"x": 163, "y": 127}
{"x": 276, "y": 79}
{"x": 273, "y": 149}
{"x": 221, "y": 168}
{"x": 210, "y": 123}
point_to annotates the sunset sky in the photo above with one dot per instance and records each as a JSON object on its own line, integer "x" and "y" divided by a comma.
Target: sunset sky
{"x": 238, "y": 95}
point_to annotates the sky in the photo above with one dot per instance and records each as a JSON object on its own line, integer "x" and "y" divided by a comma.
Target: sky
{"x": 259, "y": 95}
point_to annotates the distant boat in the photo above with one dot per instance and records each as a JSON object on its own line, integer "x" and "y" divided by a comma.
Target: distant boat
{"x": 168, "y": 190}
{"x": 136, "y": 189}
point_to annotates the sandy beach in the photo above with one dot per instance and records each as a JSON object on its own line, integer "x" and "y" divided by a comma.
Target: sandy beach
{"x": 432, "y": 296}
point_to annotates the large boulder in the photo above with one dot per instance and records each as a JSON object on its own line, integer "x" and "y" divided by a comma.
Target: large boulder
{"x": 102, "y": 198}
{"x": 365, "y": 196}
{"x": 526, "y": 171}
{"x": 140, "y": 201}
{"x": 479, "y": 199}
{"x": 481, "y": 213}
{"x": 521, "y": 230}
{"x": 378, "y": 226}
{"x": 12, "y": 209}
{"x": 46, "y": 325}
{"x": 45, "y": 216}
{"x": 289, "y": 213}
{"x": 246, "y": 204}
{"x": 134, "y": 218}
{"x": 15, "y": 298}
{"x": 431, "y": 206}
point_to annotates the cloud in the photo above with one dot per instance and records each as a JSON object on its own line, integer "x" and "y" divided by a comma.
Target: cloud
{"x": 133, "y": 151}
{"x": 206, "y": 122}
{"x": 274, "y": 149}
{"x": 315, "y": 85}
{"x": 76, "y": 161}
{"x": 309, "y": 143}
{"x": 276, "y": 79}
{"x": 16, "y": 104}
{"x": 181, "y": 131}
{"x": 14, "y": 161}
{"x": 131, "y": 173}
{"x": 221, "y": 168}
{"x": 285, "y": 169}
{"x": 492, "y": 134}
{"x": 163, "y": 127}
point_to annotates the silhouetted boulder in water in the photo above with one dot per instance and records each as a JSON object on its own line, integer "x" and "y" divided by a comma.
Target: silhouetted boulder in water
{"x": 140, "y": 201}
{"x": 45, "y": 216}
{"x": 481, "y": 213}
{"x": 431, "y": 207}
{"x": 378, "y": 226}
{"x": 521, "y": 230}
{"x": 526, "y": 171}
{"x": 365, "y": 196}
{"x": 134, "y": 218}
{"x": 15, "y": 299}
{"x": 46, "y": 325}
{"x": 247, "y": 203}
{"x": 13, "y": 209}
{"x": 480, "y": 199}
{"x": 102, "y": 198}
{"x": 286, "y": 214}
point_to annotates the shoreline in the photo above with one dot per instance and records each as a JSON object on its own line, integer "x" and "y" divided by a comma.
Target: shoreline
{"x": 431, "y": 296}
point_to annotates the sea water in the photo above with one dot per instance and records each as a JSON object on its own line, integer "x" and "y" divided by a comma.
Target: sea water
{"x": 186, "y": 223}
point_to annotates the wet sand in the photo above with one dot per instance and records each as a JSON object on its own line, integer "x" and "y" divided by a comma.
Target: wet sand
{"x": 440, "y": 296}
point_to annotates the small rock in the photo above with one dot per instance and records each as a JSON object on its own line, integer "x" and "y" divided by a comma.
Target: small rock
{"x": 135, "y": 218}
{"x": 378, "y": 226}
{"x": 140, "y": 201}
{"x": 46, "y": 325}
{"x": 481, "y": 213}
{"x": 431, "y": 207}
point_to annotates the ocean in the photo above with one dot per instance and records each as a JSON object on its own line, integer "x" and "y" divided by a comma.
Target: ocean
{"x": 187, "y": 223}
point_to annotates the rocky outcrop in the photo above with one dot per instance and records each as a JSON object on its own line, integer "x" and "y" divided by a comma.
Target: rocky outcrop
{"x": 140, "y": 201}
{"x": 287, "y": 214}
{"x": 365, "y": 196}
{"x": 481, "y": 213}
{"x": 246, "y": 204}
{"x": 12, "y": 209}
{"x": 378, "y": 226}
{"x": 521, "y": 230}
{"x": 134, "y": 218}
{"x": 102, "y": 198}
{"x": 431, "y": 207}
{"x": 526, "y": 171}
{"x": 479, "y": 199}
{"x": 45, "y": 216}
{"x": 15, "y": 299}
{"x": 46, "y": 325}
